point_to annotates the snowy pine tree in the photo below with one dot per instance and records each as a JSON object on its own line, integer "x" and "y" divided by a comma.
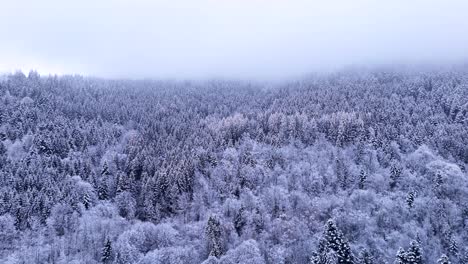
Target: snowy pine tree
{"x": 337, "y": 243}
{"x": 102, "y": 190}
{"x": 453, "y": 247}
{"x": 414, "y": 253}
{"x": 239, "y": 221}
{"x": 411, "y": 256}
{"x": 106, "y": 253}
{"x": 321, "y": 256}
{"x": 105, "y": 169}
{"x": 443, "y": 260}
{"x": 214, "y": 235}
{"x": 365, "y": 257}
{"x": 86, "y": 200}
{"x": 410, "y": 199}
{"x": 401, "y": 257}
{"x": 362, "y": 179}
{"x": 395, "y": 174}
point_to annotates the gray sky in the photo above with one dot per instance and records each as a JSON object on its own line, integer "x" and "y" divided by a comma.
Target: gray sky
{"x": 261, "y": 39}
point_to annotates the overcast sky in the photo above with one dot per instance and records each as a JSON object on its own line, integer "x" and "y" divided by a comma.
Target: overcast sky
{"x": 226, "y": 38}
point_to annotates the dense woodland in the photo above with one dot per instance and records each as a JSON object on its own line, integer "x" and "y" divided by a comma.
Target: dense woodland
{"x": 360, "y": 166}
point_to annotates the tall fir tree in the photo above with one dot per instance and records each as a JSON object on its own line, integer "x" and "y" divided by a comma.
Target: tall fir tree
{"x": 321, "y": 256}
{"x": 337, "y": 243}
{"x": 395, "y": 174}
{"x": 239, "y": 221}
{"x": 106, "y": 254}
{"x": 410, "y": 199}
{"x": 400, "y": 256}
{"x": 453, "y": 247}
{"x": 443, "y": 260}
{"x": 365, "y": 257}
{"x": 411, "y": 256}
{"x": 105, "y": 169}
{"x": 214, "y": 236}
{"x": 362, "y": 179}
{"x": 102, "y": 190}
{"x": 86, "y": 201}
{"x": 414, "y": 253}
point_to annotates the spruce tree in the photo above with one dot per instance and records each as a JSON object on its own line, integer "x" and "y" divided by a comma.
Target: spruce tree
{"x": 106, "y": 255}
{"x": 411, "y": 256}
{"x": 102, "y": 190}
{"x": 410, "y": 199}
{"x": 213, "y": 234}
{"x": 443, "y": 260}
{"x": 86, "y": 201}
{"x": 395, "y": 173}
{"x": 453, "y": 248}
{"x": 321, "y": 255}
{"x": 414, "y": 253}
{"x": 464, "y": 258}
{"x": 315, "y": 258}
{"x": 105, "y": 169}
{"x": 401, "y": 257}
{"x": 362, "y": 179}
{"x": 123, "y": 182}
{"x": 337, "y": 242}
{"x": 365, "y": 257}
{"x": 3, "y": 149}
{"x": 239, "y": 221}
{"x": 438, "y": 182}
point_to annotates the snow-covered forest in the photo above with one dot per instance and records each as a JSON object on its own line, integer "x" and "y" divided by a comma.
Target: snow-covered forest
{"x": 360, "y": 166}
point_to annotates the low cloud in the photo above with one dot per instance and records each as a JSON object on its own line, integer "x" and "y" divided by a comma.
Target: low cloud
{"x": 234, "y": 39}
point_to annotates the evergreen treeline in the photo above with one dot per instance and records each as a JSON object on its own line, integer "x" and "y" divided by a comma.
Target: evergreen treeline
{"x": 354, "y": 167}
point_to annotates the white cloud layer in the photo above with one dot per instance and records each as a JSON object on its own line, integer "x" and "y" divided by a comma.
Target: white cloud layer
{"x": 226, "y": 38}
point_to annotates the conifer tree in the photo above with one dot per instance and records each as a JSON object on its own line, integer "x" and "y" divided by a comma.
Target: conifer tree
{"x": 315, "y": 258}
{"x": 86, "y": 201}
{"x": 464, "y": 258}
{"x": 239, "y": 221}
{"x": 410, "y": 199}
{"x": 362, "y": 179}
{"x": 443, "y": 260}
{"x": 213, "y": 234}
{"x": 365, "y": 257}
{"x": 414, "y": 253}
{"x": 438, "y": 182}
{"x": 321, "y": 255}
{"x": 411, "y": 256}
{"x": 401, "y": 257}
{"x": 2, "y": 148}
{"x": 106, "y": 255}
{"x": 102, "y": 190}
{"x": 123, "y": 182}
{"x": 395, "y": 174}
{"x": 105, "y": 169}
{"x": 453, "y": 247}
{"x": 337, "y": 243}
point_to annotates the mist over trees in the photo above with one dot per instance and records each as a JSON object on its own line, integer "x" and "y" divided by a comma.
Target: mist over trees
{"x": 358, "y": 167}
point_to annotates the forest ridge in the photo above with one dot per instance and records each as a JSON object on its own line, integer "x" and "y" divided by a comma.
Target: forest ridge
{"x": 365, "y": 166}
